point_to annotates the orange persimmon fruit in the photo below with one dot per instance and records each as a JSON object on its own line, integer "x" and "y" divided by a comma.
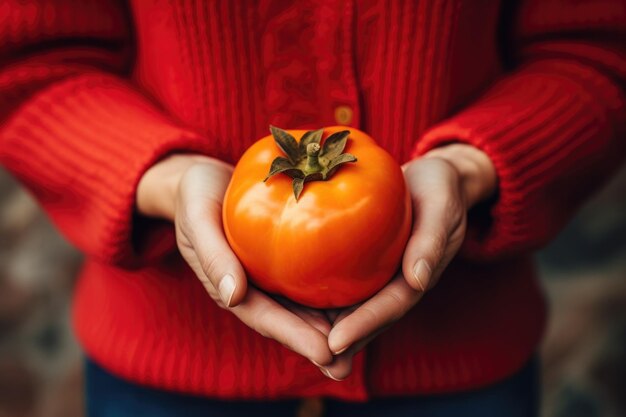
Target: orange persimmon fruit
{"x": 322, "y": 221}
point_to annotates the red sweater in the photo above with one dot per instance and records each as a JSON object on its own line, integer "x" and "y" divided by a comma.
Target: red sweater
{"x": 92, "y": 94}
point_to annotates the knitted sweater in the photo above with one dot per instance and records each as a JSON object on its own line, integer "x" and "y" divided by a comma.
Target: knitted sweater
{"x": 92, "y": 93}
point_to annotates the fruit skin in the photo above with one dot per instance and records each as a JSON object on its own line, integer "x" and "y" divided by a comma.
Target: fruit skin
{"x": 339, "y": 243}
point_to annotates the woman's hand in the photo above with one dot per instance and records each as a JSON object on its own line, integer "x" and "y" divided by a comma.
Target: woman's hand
{"x": 443, "y": 185}
{"x": 188, "y": 190}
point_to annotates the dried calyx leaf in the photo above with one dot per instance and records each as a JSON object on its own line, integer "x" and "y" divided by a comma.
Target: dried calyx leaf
{"x": 307, "y": 160}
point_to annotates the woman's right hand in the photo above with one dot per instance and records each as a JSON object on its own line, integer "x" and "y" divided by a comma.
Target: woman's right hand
{"x": 188, "y": 190}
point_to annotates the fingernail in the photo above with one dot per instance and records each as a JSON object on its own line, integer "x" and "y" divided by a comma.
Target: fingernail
{"x": 340, "y": 351}
{"x": 421, "y": 274}
{"x": 327, "y": 373}
{"x": 315, "y": 363}
{"x": 227, "y": 289}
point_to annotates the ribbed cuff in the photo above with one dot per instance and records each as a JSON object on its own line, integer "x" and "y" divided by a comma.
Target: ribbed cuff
{"x": 548, "y": 133}
{"x": 81, "y": 146}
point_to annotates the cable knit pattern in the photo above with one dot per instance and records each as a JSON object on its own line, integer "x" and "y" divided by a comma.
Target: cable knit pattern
{"x": 92, "y": 93}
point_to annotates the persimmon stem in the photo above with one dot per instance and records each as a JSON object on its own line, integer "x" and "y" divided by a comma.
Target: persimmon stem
{"x": 312, "y": 158}
{"x": 306, "y": 159}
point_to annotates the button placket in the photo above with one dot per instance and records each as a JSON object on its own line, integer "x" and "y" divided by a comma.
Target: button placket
{"x": 343, "y": 90}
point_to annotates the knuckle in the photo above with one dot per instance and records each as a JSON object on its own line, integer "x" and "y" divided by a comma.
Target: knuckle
{"x": 181, "y": 236}
{"x": 258, "y": 324}
{"x": 204, "y": 210}
{"x": 182, "y": 221}
{"x": 431, "y": 248}
{"x": 398, "y": 308}
{"x": 438, "y": 243}
{"x": 185, "y": 233}
{"x": 193, "y": 172}
{"x": 212, "y": 263}
{"x": 453, "y": 205}
{"x": 457, "y": 227}
{"x": 194, "y": 211}
{"x": 371, "y": 315}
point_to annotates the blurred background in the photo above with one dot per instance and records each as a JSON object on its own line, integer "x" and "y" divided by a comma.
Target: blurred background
{"x": 583, "y": 273}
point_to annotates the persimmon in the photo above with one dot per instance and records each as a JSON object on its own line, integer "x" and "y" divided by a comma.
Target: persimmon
{"x": 323, "y": 221}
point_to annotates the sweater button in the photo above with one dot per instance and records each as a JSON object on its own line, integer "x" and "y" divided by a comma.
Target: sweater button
{"x": 343, "y": 115}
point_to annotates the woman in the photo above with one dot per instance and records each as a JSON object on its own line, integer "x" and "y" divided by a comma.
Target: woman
{"x": 125, "y": 120}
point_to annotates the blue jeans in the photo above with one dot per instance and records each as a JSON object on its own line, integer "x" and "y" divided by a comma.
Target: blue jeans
{"x": 109, "y": 396}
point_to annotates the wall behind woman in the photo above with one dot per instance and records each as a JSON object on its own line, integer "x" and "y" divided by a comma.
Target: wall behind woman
{"x": 584, "y": 273}
{"x": 39, "y": 359}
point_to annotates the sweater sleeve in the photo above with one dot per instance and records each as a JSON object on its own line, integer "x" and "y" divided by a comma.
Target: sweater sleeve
{"x": 553, "y": 126}
{"x": 75, "y": 131}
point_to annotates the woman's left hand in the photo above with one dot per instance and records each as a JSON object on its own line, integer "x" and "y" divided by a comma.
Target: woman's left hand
{"x": 443, "y": 184}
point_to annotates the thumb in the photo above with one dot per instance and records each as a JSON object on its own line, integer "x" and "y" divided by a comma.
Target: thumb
{"x": 423, "y": 254}
{"x": 438, "y": 212}
{"x": 203, "y": 244}
{"x": 220, "y": 269}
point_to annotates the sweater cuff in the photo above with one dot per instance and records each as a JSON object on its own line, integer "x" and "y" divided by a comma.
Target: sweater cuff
{"x": 544, "y": 130}
{"x": 81, "y": 147}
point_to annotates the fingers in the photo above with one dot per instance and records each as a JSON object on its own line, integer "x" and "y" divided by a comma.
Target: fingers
{"x": 316, "y": 318}
{"x": 202, "y": 243}
{"x": 439, "y": 221}
{"x": 384, "y": 308}
{"x": 354, "y": 328}
{"x": 341, "y": 367}
{"x": 272, "y": 320}
{"x": 335, "y": 316}
{"x": 439, "y": 226}
{"x": 201, "y": 237}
